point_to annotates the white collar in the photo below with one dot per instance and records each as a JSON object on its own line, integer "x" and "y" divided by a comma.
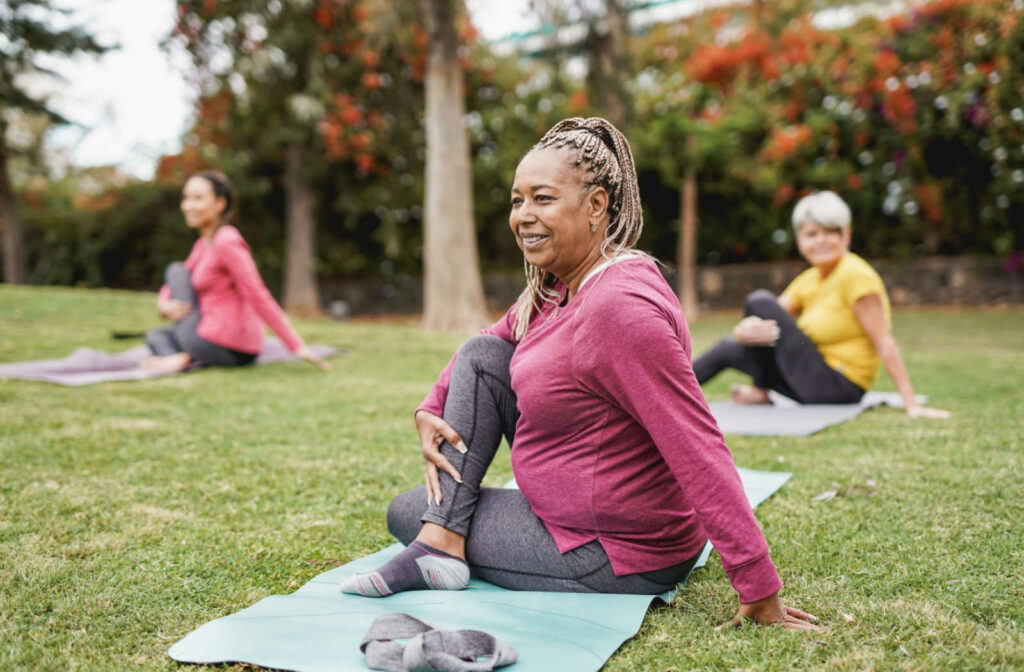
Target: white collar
{"x": 600, "y": 267}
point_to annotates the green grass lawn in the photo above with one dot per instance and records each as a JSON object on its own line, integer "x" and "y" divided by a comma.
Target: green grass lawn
{"x": 131, "y": 513}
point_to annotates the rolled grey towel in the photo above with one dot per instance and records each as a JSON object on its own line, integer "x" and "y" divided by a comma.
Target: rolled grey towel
{"x": 428, "y": 649}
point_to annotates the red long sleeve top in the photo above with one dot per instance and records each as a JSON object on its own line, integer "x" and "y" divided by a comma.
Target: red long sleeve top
{"x": 615, "y": 441}
{"x": 233, "y": 301}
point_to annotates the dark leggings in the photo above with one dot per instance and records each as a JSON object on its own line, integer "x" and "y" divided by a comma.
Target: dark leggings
{"x": 793, "y": 366}
{"x": 506, "y": 543}
{"x": 182, "y": 337}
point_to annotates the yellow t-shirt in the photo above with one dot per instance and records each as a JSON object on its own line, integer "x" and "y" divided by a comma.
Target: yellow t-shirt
{"x": 825, "y": 309}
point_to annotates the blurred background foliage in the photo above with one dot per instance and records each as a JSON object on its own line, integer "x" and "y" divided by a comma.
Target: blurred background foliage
{"x": 916, "y": 119}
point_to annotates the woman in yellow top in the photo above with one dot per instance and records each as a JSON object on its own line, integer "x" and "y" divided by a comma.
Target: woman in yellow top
{"x": 821, "y": 340}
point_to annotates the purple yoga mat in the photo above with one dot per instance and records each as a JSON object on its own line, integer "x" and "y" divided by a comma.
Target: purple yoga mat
{"x": 86, "y": 366}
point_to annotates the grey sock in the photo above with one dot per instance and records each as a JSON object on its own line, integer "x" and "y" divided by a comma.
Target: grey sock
{"x": 427, "y": 648}
{"x": 418, "y": 567}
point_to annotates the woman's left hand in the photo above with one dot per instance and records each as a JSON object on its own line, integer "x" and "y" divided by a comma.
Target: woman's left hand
{"x": 918, "y": 411}
{"x": 307, "y": 354}
{"x": 771, "y": 611}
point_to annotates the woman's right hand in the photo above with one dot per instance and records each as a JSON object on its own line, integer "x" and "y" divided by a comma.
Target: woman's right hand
{"x": 752, "y": 330}
{"x": 433, "y": 432}
{"x": 173, "y": 309}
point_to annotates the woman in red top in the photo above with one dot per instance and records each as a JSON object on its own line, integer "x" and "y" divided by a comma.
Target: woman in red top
{"x": 623, "y": 473}
{"x": 216, "y": 298}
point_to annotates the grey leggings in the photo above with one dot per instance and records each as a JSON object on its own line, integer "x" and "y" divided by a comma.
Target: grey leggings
{"x": 182, "y": 337}
{"x": 793, "y": 366}
{"x": 506, "y": 543}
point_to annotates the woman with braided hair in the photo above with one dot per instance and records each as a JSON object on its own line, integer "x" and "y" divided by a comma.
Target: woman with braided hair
{"x": 623, "y": 473}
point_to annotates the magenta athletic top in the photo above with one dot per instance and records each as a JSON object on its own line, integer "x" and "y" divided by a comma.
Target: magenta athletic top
{"x": 233, "y": 301}
{"x": 615, "y": 440}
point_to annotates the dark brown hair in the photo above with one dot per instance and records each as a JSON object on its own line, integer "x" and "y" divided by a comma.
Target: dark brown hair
{"x": 222, "y": 188}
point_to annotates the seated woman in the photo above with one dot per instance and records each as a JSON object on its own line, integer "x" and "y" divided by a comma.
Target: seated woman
{"x": 622, "y": 471}
{"x": 829, "y": 353}
{"x": 217, "y": 298}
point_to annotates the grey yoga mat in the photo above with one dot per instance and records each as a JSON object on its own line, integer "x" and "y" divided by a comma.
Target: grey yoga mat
{"x": 86, "y": 366}
{"x": 319, "y": 629}
{"x": 785, "y": 417}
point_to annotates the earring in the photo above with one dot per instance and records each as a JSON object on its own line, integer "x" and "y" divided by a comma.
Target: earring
{"x": 593, "y": 227}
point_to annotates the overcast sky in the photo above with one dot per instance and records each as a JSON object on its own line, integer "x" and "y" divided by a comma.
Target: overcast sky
{"x": 131, "y": 105}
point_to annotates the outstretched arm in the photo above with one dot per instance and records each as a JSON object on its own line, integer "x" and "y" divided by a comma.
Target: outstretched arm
{"x": 651, "y": 379}
{"x": 239, "y": 263}
{"x": 871, "y": 315}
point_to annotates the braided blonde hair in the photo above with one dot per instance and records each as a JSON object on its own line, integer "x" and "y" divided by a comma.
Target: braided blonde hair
{"x": 603, "y": 152}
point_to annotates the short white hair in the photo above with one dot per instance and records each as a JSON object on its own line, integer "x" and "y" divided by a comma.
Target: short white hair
{"x": 824, "y": 208}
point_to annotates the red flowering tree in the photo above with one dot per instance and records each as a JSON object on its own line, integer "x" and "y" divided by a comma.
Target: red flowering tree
{"x": 298, "y": 97}
{"x": 915, "y": 120}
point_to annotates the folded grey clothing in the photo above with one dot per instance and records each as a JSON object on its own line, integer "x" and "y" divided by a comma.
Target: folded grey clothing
{"x": 428, "y": 649}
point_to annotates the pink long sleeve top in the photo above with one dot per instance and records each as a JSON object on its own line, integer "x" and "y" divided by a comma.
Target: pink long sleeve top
{"x": 233, "y": 301}
{"x": 615, "y": 441}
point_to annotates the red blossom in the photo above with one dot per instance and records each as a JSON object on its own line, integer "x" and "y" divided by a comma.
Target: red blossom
{"x": 887, "y": 64}
{"x": 929, "y": 195}
{"x": 365, "y": 162}
{"x": 350, "y": 115}
{"x": 324, "y": 14}
{"x": 785, "y": 141}
{"x": 899, "y": 108}
{"x": 371, "y": 59}
{"x": 578, "y": 102}
{"x": 784, "y": 194}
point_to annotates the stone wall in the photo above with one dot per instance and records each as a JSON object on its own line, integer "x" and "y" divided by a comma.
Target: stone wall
{"x": 925, "y": 281}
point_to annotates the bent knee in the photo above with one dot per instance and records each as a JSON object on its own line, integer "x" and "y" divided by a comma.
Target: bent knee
{"x": 176, "y": 269}
{"x": 157, "y": 340}
{"x": 485, "y": 344}
{"x": 758, "y": 299}
{"x": 483, "y": 351}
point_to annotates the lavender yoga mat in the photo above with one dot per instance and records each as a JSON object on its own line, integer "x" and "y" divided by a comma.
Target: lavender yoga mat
{"x": 86, "y": 366}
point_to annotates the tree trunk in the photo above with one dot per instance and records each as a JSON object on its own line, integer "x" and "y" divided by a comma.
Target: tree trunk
{"x": 10, "y": 221}
{"x": 757, "y": 7}
{"x": 608, "y": 69}
{"x": 453, "y": 295}
{"x": 687, "y": 248}
{"x": 300, "y": 289}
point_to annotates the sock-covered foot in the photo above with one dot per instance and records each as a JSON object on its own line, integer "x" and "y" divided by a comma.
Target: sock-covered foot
{"x": 418, "y": 567}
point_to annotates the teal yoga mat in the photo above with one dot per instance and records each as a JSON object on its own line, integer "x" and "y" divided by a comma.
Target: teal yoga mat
{"x": 318, "y": 629}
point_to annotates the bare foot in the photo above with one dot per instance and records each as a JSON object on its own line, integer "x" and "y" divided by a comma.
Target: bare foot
{"x": 748, "y": 394}
{"x": 169, "y": 364}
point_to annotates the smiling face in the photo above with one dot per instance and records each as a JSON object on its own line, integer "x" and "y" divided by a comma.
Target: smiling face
{"x": 552, "y": 213}
{"x": 822, "y": 247}
{"x": 201, "y": 207}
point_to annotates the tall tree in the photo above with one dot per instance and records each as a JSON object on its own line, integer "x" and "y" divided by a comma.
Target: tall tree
{"x": 27, "y": 32}
{"x": 609, "y": 70}
{"x": 453, "y": 297}
{"x": 605, "y": 47}
{"x": 686, "y": 253}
